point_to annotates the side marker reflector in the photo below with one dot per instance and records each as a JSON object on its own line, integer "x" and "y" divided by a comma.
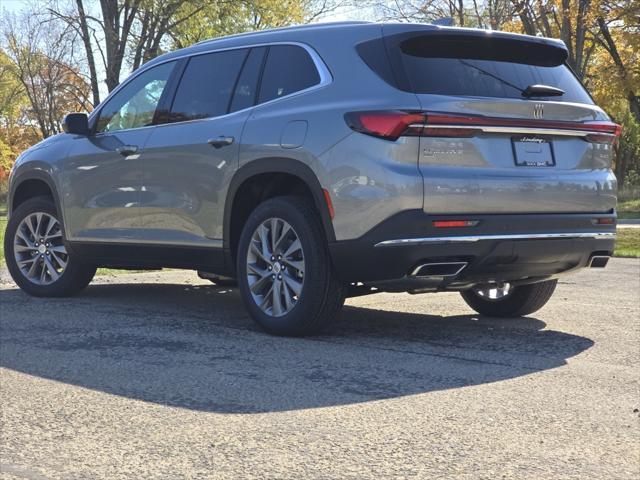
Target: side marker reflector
{"x": 454, "y": 223}
{"x": 327, "y": 199}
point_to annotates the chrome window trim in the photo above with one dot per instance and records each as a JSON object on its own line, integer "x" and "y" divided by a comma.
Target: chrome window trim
{"x": 478, "y": 238}
{"x": 524, "y": 130}
{"x": 323, "y": 71}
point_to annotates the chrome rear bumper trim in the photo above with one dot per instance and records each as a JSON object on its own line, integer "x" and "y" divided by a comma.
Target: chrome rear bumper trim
{"x": 479, "y": 238}
{"x": 516, "y": 130}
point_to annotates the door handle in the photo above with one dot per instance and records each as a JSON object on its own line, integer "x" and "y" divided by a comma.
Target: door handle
{"x": 220, "y": 142}
{"x": 127, "y": 150}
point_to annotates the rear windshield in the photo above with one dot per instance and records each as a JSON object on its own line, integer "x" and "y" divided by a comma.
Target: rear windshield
{"x": 486, "y": 68}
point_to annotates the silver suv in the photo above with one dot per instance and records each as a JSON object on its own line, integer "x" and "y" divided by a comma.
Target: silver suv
{"x": 314, "y": 163}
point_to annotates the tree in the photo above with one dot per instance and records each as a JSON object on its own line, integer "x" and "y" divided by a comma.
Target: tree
{"x": 43, "y": 63}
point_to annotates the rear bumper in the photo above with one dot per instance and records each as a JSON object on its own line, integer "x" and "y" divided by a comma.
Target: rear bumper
{"x": 500, "y": 248}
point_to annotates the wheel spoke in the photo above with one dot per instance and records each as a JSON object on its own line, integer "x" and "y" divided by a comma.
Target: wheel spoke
{"x": 274, "y": 233}
{"x": 22, "y": 248}
{"x": 43, "y": 272}
{"x": 257, "y": 286}
{"x": 294, "y": 247}
{"x": 266, "y": 300}
{"x": 297, "y": 264}
{"x": 61, "y": 263}
{"x": 286, "y": 228}
{"x": 50, "y": 225}
{"x": 277, "y": 298}
{"x": 27, "y": 261}
{"x": 34, "y": 267}
{"x": 294, "y": 285}
{"x": 263, "y": 234}
{"x": 50, "y": 268}
{"x": 288, "y": 297}
{"x": 20, "y": 234}
{"x": 256, "y": 251}
{"x": 28, "y": 223}
{"x": 39, "y": 224}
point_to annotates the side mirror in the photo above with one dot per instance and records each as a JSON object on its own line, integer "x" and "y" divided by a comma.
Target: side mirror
{"x": 77, "y": 123}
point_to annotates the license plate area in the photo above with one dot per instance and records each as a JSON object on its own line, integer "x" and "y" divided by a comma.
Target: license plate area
{"x": 533, "y": 151}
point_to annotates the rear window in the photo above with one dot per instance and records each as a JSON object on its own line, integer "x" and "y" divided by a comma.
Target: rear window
{"x": 484, "y": 67}
{"x": 206, "y": 85}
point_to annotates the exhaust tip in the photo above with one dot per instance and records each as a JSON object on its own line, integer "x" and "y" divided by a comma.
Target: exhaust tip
{"x": 599, "y": 261}
{"x": 439, "y": 269}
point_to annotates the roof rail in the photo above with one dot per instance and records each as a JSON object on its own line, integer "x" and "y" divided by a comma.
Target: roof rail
{"x": 308, "y": 26}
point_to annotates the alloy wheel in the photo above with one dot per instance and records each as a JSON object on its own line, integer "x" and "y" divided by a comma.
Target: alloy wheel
{"x": 39, "y": 249}
{"x": 494, "y": 292}
{"x": 275, "y": 267}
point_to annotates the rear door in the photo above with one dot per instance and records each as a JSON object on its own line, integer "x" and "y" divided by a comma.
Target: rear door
{"x": 497, "y": 137}
{"x": 190, "y": 161}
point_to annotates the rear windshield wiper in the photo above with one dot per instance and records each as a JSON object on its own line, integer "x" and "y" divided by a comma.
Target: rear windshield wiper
{"x": 489, "y": 74}
{"x": 538, "y": 90}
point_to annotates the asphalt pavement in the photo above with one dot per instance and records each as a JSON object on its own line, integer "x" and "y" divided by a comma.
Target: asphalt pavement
{"x": 163, "y": 375}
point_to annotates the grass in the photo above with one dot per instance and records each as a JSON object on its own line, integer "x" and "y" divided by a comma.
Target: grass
{"x": 629, "y": 208}
{"x": 628, "y": 243}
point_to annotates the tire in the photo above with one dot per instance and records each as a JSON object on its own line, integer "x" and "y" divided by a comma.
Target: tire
{"x": 321, "y": 294}
{"x": 520, "y": 301}
{"x": 70, "y": 279}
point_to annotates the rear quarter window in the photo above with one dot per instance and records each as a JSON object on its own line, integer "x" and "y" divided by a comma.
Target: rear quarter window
{"x": 288, "y": 69}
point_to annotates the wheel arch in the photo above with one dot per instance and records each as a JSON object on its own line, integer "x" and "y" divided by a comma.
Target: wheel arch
{"x": 32, "y": 184}
{"x": 273, "y": 166}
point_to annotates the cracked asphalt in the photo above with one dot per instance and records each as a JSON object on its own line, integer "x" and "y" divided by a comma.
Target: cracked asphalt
{"x": 163, "y": 375}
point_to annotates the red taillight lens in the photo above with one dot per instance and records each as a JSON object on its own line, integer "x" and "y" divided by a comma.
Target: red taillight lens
{"x": 603, "y": 221}
{"x": 607, "y": 132}
{"x": 389, "y": 124}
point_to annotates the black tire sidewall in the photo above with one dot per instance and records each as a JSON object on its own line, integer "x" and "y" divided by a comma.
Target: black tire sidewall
{"x": 522, "y": 301}
{"x": 76, "y": 274}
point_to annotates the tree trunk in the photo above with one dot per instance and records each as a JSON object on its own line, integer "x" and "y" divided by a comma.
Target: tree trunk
{"x": 610, "y": 45}
{"x": 86, "y": 40}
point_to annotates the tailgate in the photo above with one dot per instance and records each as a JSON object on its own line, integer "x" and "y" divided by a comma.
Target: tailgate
{"x": 507, "y": 126}
{"x": 516, "y": 164}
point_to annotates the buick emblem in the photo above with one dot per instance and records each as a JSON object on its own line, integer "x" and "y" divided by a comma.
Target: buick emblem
{"x": 538, "y": 110}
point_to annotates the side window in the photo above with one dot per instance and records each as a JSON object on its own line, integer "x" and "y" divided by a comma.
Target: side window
{"x": 135, "y": 104}
{"x": 245, "y": 92}
{"x": 289, "y": 69}
{"x": 206, "y": 85}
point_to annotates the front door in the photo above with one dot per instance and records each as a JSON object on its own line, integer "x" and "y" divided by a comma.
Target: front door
{"x": 102, "y": 174}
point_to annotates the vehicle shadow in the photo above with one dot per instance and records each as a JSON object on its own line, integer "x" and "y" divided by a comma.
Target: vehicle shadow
{"x": 194, "y": 347}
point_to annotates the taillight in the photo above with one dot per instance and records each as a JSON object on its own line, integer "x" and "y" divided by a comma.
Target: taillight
{"x": 389, "y": 124}
{"x": 605, "y": 132}
{"x": 393, "y": 124}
